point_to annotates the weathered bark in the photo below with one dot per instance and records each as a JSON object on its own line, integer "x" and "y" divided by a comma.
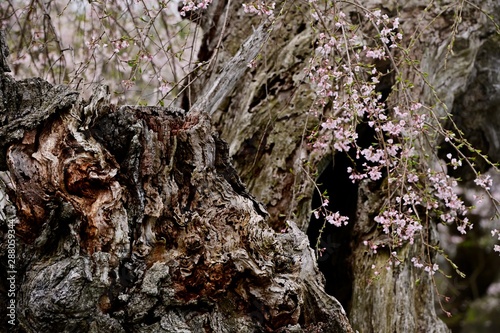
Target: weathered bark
{"x": 132, "y": 219}
{"x": 265, "y": 121}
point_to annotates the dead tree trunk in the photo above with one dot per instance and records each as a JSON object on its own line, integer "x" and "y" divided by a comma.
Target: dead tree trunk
{"x": 132, "y": 219}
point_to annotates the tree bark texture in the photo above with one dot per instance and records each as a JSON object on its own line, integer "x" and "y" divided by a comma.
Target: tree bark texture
{"x": 133, "y": 219}
{"x": 265, "y": 121}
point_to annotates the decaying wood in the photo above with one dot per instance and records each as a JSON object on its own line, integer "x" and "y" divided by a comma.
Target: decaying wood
{"x": 132, "y": 219}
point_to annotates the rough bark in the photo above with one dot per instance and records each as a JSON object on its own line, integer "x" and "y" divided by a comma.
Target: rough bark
{"x": 132, "y": 219}
{"x": 265, "y": 121}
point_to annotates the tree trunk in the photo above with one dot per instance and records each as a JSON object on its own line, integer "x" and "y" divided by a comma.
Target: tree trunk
{"x": 266, "y": 121}
{"x": 132, "y": 219}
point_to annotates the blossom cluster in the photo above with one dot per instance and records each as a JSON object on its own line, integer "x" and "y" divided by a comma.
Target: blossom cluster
{"x": 484, "y": 181}
{"x": 430, "y": 268}
{"x": 189, "y": 6}
{"x": 260, "y": 8}
{"x": 345, "y": 76}
{"x": 349, "y": 88}
{"x": 402, "y": 227}
{"x": 331, "y": 217}
{"x": 496, "y": 233}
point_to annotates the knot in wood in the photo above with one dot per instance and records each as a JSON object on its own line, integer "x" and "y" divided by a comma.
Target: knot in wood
{"x": 84, "y": 177}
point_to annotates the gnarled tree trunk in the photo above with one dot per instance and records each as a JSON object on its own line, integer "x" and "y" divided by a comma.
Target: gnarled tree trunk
{"x": 132, "y": 219}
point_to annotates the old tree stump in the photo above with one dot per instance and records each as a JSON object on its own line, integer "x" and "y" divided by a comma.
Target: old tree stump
{"x": 132, "y": 219}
